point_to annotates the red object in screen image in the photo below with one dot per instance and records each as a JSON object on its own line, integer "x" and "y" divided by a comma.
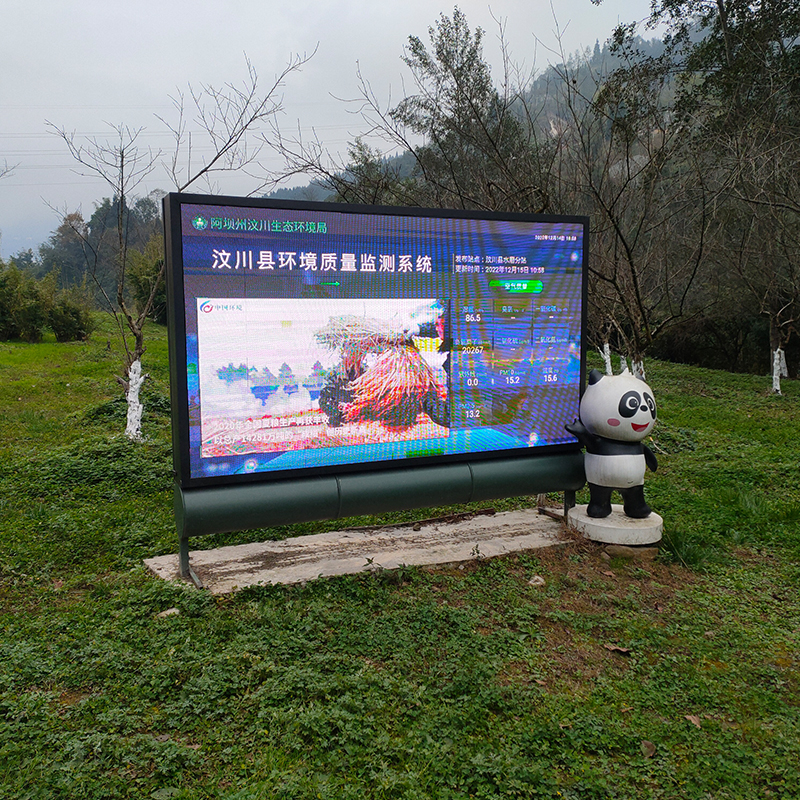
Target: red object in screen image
{"x": 382, "y": 375}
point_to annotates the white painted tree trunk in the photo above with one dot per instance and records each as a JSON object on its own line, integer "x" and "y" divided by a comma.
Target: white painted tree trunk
{"x": 606, "y": 354}
{"x": 637, "y": 368}
{"x": 133, "y": 428}
{"x": 779, "y": 369}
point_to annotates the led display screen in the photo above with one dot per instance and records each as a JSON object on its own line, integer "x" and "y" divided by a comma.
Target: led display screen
{"x": 308, "y": 338}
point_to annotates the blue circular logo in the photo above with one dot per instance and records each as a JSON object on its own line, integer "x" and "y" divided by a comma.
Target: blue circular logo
{"x": 199, "y": 223}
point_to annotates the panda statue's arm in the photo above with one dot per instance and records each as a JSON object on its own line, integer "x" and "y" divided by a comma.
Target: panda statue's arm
{"x": 650, "y": 458}
{"x": 582, "y": 434}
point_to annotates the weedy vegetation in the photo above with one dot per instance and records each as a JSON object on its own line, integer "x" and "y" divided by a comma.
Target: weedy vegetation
{"x": 605, "y": 679}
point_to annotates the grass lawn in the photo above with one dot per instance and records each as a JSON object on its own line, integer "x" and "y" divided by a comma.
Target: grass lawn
{"x": 672, "y": 679}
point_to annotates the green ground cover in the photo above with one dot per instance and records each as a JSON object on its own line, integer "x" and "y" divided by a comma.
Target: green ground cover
{"x": 676, "y": 679}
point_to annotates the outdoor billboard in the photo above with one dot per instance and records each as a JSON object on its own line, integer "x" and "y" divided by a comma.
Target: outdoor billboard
{"x": 317, "y": 338}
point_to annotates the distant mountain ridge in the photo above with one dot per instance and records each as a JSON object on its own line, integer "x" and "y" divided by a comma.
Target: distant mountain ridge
{"x": 588, "y": 65}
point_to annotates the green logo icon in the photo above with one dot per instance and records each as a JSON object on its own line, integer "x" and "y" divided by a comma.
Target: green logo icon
{"x": 200, "y": 223}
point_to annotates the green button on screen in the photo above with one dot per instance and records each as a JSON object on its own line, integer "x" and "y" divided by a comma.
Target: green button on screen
{"x": 518, "y": 287}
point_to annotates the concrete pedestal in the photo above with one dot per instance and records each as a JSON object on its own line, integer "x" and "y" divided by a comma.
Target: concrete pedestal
{"x": 304, "y": 558}
{"x": 617, "y": 528}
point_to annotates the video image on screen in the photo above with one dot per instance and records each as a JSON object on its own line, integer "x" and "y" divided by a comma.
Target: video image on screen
{"x": 284, "y": 375}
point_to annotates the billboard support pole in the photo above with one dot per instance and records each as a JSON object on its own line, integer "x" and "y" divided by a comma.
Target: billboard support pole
{"x": 183, "y": 556}
{"x": 183, "y": 540}
{"x": 183, "y": 562}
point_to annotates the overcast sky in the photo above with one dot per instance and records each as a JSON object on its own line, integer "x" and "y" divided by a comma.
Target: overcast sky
{"x": 83, "y": 65}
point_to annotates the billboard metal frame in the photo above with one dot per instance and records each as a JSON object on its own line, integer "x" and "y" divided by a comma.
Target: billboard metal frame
{"x": 257, "y": 500}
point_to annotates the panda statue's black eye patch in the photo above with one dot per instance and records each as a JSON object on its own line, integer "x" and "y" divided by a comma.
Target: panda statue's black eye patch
{"x": 651, "y": 404}
{"x": 629, "y": 404}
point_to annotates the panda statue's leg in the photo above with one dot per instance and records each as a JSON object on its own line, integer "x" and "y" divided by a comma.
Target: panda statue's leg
{"x": 634, "y": 503}
{"x": 599, "y": 501}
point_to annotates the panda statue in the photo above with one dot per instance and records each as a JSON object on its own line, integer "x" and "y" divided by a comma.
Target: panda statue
{"x": 616, "y": 413}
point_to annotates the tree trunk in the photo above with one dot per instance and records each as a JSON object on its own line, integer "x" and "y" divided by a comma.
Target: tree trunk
{"x": 778, "y": 357}
{"x": 133, "y": 428}
{"x": 778, "y": 369}
{"x": 606, "y": 354}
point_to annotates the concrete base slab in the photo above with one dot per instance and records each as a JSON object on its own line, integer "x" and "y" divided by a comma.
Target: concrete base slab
{"x": 617, "y": 528}
{"x": 304, "y": 558}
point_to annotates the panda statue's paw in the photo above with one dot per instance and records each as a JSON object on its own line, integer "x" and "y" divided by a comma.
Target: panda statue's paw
{"x": 638, "y": 512}
{"x": 599, "y": 501}
{"x": 598, "y": 510}
{"x": 634, "y": 504}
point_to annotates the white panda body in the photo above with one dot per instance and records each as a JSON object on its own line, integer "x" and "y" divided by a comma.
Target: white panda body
{"x": 618, "y": 472}
{"x": 616, "y": 413}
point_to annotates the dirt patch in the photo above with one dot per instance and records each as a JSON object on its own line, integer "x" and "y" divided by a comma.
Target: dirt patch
{"x": 579, "y": 644}
{"x": 69, "y": 698}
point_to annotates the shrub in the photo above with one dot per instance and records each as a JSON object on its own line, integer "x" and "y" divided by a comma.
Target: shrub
{"x": 29, "y": 305}
{"x": 24, "y": 304}
{"x": 70, "y": 315}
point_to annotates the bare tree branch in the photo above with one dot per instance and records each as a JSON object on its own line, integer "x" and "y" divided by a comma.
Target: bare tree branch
{"x": 228, "y": 119}
{"x": 6, "y": 170}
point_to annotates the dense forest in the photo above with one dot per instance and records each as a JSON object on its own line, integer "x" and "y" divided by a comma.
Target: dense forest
{"x": 683, "y": 151}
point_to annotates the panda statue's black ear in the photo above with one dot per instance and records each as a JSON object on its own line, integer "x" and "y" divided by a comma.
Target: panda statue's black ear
{"x": 594, "y": 376}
